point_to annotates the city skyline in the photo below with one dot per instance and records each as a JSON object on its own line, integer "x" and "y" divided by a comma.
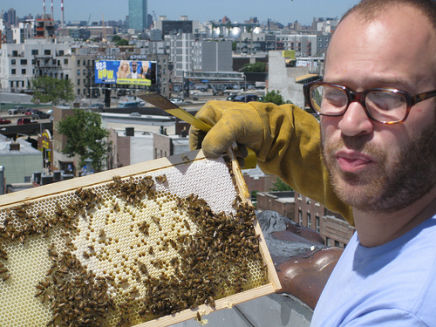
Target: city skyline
{"x": 283, "y": 11}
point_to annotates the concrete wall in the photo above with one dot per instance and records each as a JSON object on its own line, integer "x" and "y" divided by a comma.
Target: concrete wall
{"x": 141, "y": 149}
{"x": 282, "y": 78}
{"x": 17, "y": 166}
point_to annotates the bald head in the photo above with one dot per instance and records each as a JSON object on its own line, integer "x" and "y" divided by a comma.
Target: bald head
{"x": 395, "y": 42}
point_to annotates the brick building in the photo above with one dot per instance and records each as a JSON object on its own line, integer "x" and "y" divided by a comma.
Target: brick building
{"x": 334, "y": 230}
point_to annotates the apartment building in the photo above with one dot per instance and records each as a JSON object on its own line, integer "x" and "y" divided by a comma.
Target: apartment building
{"x": 20, "y": 63}
{"x": 304, "y": 45}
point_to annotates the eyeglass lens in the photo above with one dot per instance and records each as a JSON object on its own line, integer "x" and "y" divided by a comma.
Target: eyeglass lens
{"x": 381, "y": 105}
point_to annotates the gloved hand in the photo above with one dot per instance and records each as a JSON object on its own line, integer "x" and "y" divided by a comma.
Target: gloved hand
{"x": 232, "y": 123}
{"x": 285, "y": 138}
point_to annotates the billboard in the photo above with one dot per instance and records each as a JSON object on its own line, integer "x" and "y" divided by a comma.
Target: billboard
{"x": 125, "y": 72}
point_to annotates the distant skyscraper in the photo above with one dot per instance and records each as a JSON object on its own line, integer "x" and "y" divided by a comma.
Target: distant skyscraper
{"x": 138, "y": 14}
{"x": 11, "y": 17}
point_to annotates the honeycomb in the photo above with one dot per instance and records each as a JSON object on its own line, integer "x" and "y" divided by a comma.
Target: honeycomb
{"x": 128, "y": 250}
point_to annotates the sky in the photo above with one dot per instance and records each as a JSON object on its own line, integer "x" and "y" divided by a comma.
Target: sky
{"x": 283, "y": 11}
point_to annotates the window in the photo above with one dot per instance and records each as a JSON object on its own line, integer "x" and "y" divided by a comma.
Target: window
{"x": 14, "y": 53}
{"x": 78, "y": 82}
{"x": 327, "y": 241}
{"x": 13, "y": 71}
{"x": 65, "y": 61}
{"x": 309, "y": 220}
{"x": 23, "y": 61}
{"x": 300, "y": 217}
{"x": 317, "y": 223}
{"x": 47, "y": 52}
{"x": 61, "y": 53}
{"x": 336, "y": 243}
{"x": 35, "y": 52}
{"x": 23, "y": 72}
{"x": 78, "y": 72}
{"x": 13, "y": 62}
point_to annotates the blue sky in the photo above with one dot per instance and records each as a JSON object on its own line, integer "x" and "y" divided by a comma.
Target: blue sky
{"x": 283, "y": 11}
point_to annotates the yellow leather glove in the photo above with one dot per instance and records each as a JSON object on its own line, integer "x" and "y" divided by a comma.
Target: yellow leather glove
{"x": 286, "y": 141}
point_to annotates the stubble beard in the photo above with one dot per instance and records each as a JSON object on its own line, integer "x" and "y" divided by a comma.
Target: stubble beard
{"x": 385, "y": 189}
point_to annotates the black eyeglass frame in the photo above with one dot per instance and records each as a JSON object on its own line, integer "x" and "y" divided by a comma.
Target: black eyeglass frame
{"x": 360, "y": 97}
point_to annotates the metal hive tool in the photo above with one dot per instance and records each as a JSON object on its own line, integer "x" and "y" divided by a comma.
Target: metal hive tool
{"x": 149, "y": 244}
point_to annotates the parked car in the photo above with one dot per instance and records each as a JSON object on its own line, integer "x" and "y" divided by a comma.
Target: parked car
{"x": 231, "y": 97}
{"x": 246, "y": 98}
{"x": 201, "y": 87}
{"x": 41, "y": 114}
{"x": 4, "y": 121}
{"x": 176, "y": 100}
{"x": 97, "y": 106}
{"x": 13, "y": 111}
{"x": 24, "y": 121}
{"x": 37, "y": 114}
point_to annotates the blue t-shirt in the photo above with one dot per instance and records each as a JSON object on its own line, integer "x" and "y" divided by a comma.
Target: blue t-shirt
{"x": 393, "y": 284}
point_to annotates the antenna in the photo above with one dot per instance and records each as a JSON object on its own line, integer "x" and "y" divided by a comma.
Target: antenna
{"x": 43, "y": 7}
{"x": 51, "y": 9}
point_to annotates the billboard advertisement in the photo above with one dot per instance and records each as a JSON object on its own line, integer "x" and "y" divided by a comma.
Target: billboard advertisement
{"x": 125, "y": 72}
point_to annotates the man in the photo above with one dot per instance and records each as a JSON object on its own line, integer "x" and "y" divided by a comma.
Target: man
{"x": 134, "y": 71}
{"x": 378, "y": 130}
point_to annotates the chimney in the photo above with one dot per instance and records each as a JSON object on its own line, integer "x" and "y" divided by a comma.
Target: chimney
{"x": 14, "y": 146}
{"x": 62, "y": 13}
{"x": 130, "y": 131}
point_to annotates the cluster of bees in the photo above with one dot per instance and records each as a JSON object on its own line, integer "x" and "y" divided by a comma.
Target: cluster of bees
{"x": 216, "y": 257}
{"x": 76, "y": 297}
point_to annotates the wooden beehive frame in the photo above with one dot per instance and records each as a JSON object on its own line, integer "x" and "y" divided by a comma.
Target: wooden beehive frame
{"x": 272, "y": 286}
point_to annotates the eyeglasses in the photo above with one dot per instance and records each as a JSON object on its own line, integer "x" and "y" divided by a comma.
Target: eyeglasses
{"x": 387, "y": 106}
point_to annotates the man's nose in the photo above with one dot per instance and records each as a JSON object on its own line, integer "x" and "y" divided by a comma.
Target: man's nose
{"x": 355, "y": 120}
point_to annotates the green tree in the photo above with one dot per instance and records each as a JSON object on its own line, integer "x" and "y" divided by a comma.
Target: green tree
{"x": 122, "y": 42}
{"x": 280, "y": 185}
{"x": 257, "y": 67}
{"x": 274, "y": 97}
{"x": 116, "y": 38}
{"x": 85, "y": 137}
{"x": 49, "y": 89}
